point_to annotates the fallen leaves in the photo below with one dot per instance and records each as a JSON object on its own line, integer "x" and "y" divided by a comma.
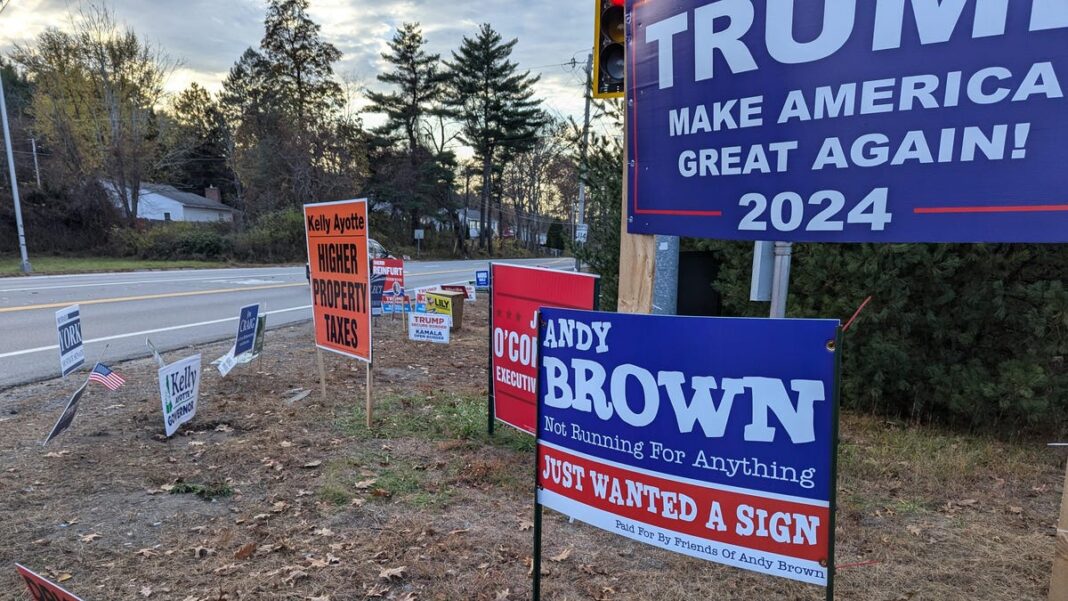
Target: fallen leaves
{"x": 88, "y": 538}
{"x": 245, "y": 551}
{"x": 525, "y": 525}
{"x": 365, "y": 484}
{"x": 391, "y": 574}
{"x": 313, "y": 464}
{"x": 563, "y": 555}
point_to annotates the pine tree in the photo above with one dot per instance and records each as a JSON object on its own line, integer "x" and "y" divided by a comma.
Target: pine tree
{"x": 494, "y": 103}
{"x": 418, "y": 82}
{"x": 301, "y": 62}
{"x": 197, "y": 141}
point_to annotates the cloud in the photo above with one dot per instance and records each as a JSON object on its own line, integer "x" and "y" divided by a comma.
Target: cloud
{"x": 207, "y": 36}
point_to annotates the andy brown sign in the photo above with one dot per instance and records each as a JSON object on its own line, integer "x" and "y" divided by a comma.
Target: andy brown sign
{"x": 340, "y": 276}
{"x": 517, "y": 294}
{"x": 714, "y": 438}
{"x": 847, "y": 121}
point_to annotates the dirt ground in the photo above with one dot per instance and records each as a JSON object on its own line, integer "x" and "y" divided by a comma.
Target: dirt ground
{"x": 264, "y": 496}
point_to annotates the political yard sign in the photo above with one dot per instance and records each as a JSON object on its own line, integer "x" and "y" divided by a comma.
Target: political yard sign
{"x": 393, "y": 269}
{"x": 842, "y": 121}
{"x": 179, "y": 389}
{"x": 516, "y": 295}
{"x": 41, "y": 589}
{"x": 428, "y": 327}
{"x": 710, "y": 437}
{"x": 71, "y": 350}
{"x": 247, "y": 325}
{"x": 340, "y": 276}
{"x": 67, "y": 417}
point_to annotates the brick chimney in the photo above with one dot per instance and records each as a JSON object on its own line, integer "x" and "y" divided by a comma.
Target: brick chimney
{"x": 213, "y": 193}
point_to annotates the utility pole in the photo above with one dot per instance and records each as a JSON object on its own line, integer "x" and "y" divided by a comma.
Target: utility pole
{"x": 36, "y": 165}
{"x": 580, "y": 219}
{"x": 26, "y": 268}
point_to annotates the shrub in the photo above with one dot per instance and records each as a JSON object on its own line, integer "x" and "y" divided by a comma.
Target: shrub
{"x": 970, "y": 335}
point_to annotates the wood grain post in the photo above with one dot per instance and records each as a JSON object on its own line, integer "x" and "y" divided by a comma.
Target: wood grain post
{"x": 322, "y": 371}
{"x": 637, "y": 253}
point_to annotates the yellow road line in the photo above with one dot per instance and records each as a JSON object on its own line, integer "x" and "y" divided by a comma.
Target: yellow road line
{"x": 102, "y": 301}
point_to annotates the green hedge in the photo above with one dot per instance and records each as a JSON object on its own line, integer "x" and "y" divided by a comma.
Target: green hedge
{"x": 970, "y": 335}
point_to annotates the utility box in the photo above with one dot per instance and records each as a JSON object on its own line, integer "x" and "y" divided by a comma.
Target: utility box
{"x": 445, "y": 302}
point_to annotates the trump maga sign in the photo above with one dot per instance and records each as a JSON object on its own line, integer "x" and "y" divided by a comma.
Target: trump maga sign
{"x": 848, "y": 121}
{"x": 714, "y": 438}
{"x": 517, "y": 293}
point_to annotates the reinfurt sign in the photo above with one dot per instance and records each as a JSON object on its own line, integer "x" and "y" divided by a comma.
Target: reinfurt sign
{"x": 848, "y": 121}
{"x": 722, "y": 451}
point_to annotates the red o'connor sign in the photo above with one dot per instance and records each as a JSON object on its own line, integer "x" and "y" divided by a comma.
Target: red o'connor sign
{"x": 710, "y": 437}
{"x": 518, "y": 292}
{"x": 43, "y": 590}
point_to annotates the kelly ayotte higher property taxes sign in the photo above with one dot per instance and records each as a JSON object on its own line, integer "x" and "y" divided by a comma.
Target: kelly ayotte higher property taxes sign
{"x": 710, "y": 437}
{"x": 849, "y": 121}
{"x": 340, "y": 276}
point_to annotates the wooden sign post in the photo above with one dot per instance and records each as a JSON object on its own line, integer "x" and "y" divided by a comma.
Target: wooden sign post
{"x": 322, "y": 371}
{"x": 637, "y": 253}
{"x": 1058, "y": 586}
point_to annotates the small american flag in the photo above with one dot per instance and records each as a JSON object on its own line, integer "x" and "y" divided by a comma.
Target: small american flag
{"x": 102, "y": 374}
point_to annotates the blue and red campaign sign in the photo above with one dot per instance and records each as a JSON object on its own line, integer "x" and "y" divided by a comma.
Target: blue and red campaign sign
{"x": 842, "y": 121}
{"x": 517, "y": 293}
{"x": 710, "y": 437}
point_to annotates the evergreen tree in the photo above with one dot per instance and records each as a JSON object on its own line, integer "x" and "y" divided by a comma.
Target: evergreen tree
{"x": 418, "y": 83}
{"x": 301, "y": 62}
{"x": 494, "y": 104}
{"x": 411, "y": 185}
{"x": 197, "y": 142}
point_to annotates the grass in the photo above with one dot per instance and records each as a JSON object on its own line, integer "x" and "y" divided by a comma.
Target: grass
{"x": 456, "y": 422}
{"x": 440, "y": 416}
{"x": 43, "y": 265}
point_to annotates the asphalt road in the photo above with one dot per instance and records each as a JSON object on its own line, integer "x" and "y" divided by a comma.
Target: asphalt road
{"x": 175, "y": 309}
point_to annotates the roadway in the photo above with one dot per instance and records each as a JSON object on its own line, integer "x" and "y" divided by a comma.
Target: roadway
{"x": 175, "y": 309}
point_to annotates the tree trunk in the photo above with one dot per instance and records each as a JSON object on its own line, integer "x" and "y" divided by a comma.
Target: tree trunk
{"x": 483, "y": 230}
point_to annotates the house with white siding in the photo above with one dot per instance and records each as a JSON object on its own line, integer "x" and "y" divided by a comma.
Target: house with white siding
{"x": 160, "y": 202}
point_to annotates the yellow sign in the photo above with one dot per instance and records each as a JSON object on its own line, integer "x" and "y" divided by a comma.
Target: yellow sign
{"x": 438, "y": 304}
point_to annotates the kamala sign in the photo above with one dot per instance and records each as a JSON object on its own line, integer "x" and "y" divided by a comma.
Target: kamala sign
{"x": 849, "y": 121}
{"x": 724, "y": 452}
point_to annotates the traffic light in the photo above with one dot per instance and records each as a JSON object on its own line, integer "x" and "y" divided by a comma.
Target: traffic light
{"x": 608, "y": 63}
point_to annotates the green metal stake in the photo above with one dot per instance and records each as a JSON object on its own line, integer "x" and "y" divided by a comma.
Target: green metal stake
{"x": 837, "y": 350}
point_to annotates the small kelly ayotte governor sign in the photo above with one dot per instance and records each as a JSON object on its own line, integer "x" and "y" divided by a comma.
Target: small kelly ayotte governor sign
{"x": 179, "y": 389}
{"x": 709, "y": 437}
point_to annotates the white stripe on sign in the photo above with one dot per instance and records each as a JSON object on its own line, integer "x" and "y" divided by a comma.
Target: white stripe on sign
{"x": 146, "y": 332}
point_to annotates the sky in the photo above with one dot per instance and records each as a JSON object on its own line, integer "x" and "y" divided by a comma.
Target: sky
{"x": 207, "y": 36}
